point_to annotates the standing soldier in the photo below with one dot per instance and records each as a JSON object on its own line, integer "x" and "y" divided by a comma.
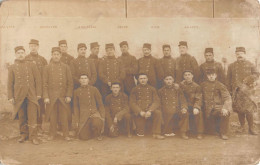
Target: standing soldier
{"x": 110, "y": 70}
{"x": 118, "y": 115}
{"x": 150, "y": 66}
{"x": 145, "y": 104}
{"x": 40, "y": 62}
{"x": 237, "y": 72}
{"x": 173, "y": 105}
{"x": 89, "y": 110}
{"x": 193, "y": 95}
{"x": 186, "y": 62}
{"x": 65, "y": 57}
{"x": 168, "y": 63}
{"x": 216, "y": 103}
{"x": 245, "y": 103}
{"x": 24, "y": 91}
{"x": 57, "y": 93}
{"x": 83, "y": 65}
{"x": 94, "y": 49}
{"x": 211, "y": 63}
{"x": 130, "y": 66}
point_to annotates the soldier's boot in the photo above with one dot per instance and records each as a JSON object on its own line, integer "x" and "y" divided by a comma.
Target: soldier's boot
{"x": 199, "y": 136}
{"x": 241, "y": 118}
{"x": 23, "y": 138}
{"x": 184, "y": 136}
{"x": 35, "y": 141}
{"x": 159, "y": 137}
{"x": 250, "y": 120}
{"x": 224, "y": 137}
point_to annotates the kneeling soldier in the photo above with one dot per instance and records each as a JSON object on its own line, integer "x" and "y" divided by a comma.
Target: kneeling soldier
{"x": 145, "y": 104}
{"x": 117, "y": 111}
{"x": 89, "y": 110}
{"x": 193, "y": 95}
{"x": 173, "y": 104}
{"x": 57, "y": 93}
{"x": 216, "y": 102}
{"x": 24, "y": 91}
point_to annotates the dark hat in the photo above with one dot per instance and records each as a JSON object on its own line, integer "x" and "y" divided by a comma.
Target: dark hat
{"x": 190, "y": 71}
{"x": 115, "y": 83}
{"x": 18, "y": 48}
{"x": 83, "y": 74}
{"x": 240, "y": 49}
{"x": 55, "y": 49}
{"x": 140, "y": 74}
{"x": 183, "y": 43}
{"x": 147, "y": 45}
{"x": 250, "y": 80}
{"x": 166, "y": 46}
{"x": 123, "y": 43}
{"x": 208, "y": 50}
{"x": 62, "y": 42}
{"x": 167, "y": 75}
{"x": 81, "y": 45}
{"x": 33, "y": 41}
{"x": 110, "y": 45}
{"x": 210, "y": 71}
{"x": 94, "y": 44}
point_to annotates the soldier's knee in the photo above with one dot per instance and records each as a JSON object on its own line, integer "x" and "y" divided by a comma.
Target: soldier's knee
{"x": 157, "y": 113}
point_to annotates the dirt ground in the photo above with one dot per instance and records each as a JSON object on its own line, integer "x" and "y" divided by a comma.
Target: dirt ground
{"x": 239, "y": 149}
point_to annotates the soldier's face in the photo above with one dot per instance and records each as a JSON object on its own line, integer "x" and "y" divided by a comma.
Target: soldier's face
{"x": 34, "y": 48}
{"x": 124, "y": 49}
{"x": 240, "y": 55}
{"x": 63, "y": 48}
{"x": 110, "y": 52}
{"x": 188, "y": 76}
{"x": 95, "y": 50}
{"x": 168, "y": 80}
{"x": 20, "y": 54}
{"x": 183, "y": 49}
{"x": 143, "y": 79}
{"x": 146, "y": 51}
{"x": 115, "y": 88}
{"x": 167, "y": 51}
{"x": 56, "y": 56}
{"x": 84, "y": 80}
{"x": 212, "y": 77}
{"x": 82, "y": 51}
{"x": 209, "y": 56}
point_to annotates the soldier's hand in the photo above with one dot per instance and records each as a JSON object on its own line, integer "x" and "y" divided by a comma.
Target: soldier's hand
{"x": 67, "y": 99}
{"x": 77, "y": 125}
{"x": 112, "y": 129}
{"x": 11, "y": 100}
{"x": 195, "y": 111}
{"x": 183, "y": 111}
{"x": 224, "y": 112}
{"x": 47, "y": 101}
{"x": 142, "y": 113}
{"x": 148, "y": 114}
{"x": 39, "y": 97}
{"x": 176, "y": 86}
{"x": 115, "y": 120}
{"x": 109, "y": 84}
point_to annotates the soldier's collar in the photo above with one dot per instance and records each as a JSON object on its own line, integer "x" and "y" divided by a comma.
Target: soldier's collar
{"x": 148, "y": 56}
{"x": 34, "y": 54}
{"x": 167, "y": 56}
{"x": 93, "y": 56}
{"x": 125, "y": 54}
{"x": 80, "y": 56}
{"x": 210, "y": 61}
{"x": 117, "y": 95}
{"x": 84, "y": 86}
{"x": 19, "y": 61}
{"x": 111, "y": 57}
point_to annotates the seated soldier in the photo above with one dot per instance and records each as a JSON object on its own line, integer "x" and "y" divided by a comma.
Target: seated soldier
{"x": 216, "y": 103}
{"x": 145, "y": 104}
{"x": 117, "y": 111}
{"x": 173, "y": 103}
{"x": 89, "y": 110}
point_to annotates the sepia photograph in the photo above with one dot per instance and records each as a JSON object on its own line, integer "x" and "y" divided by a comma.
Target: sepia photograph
{"x": 129, "y": 82}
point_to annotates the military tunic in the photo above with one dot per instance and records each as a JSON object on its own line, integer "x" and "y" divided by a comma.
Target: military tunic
{"x": 66, "y": 58}
{"x": 193, "y": 95}
{"x": 96, "y": 61}
{"x": 169, "y": 67}
{"x": 186, "y": 62}
{"x": 218, "y": 69}
{"x": 215, "y": 98}
{"x": 172, "y": 101}
{"x": 81, "y": 65}
{"x": 145, "y": 98}
{"x": 130, "y": 66}
{"x": 89, "y": 111}
{"x": 152, "y": 67}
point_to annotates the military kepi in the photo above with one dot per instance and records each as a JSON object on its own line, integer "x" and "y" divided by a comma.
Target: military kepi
{"x": 240, "y": 49}
{"x": 209, "y": 50}
{"x": 123, "y": 43}
{"x": 94, "y": 44}
{"x": 62, "y": 42}
{"x": 110, "y": 45}
{"x": 190, "y": 71}
{"x": 183, "y": 43}
{"x": 82, "y": 45}
{"x": 33, "y": 41}
{"x": 147, "y": 45}
{"x": 166, "y": 46}
{"x": 210, "y": 71}
{"x": 18, "y": 48}
{"x": 55, "y": 49}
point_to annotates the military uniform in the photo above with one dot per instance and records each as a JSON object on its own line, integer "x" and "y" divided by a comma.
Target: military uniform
{"x": 24, "y": 85}
{"x": 215, "y": 98}
{"x": 57, "y": 84}
{"x": 89, "y": 111}
{"x": 117, "y": 106}
{"x": 145, "y": 98}
{"x": 172, "y": 101}
{"x": 169, "y": 67}
{"x": 218, "y": 69}
{"x": 193, "y": 95}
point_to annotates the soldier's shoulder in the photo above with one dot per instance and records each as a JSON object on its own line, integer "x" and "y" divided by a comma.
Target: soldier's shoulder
{"x": 220, "y": 84}
{"x": 195, "y": 84}
{"x": 161, "y": 89}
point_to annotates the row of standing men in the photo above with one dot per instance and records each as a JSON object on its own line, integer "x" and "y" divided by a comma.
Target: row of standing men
{"x": 64, "y": 73}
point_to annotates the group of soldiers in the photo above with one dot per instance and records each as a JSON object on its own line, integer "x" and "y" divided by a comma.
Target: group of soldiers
{"x": 112, "y": 95}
